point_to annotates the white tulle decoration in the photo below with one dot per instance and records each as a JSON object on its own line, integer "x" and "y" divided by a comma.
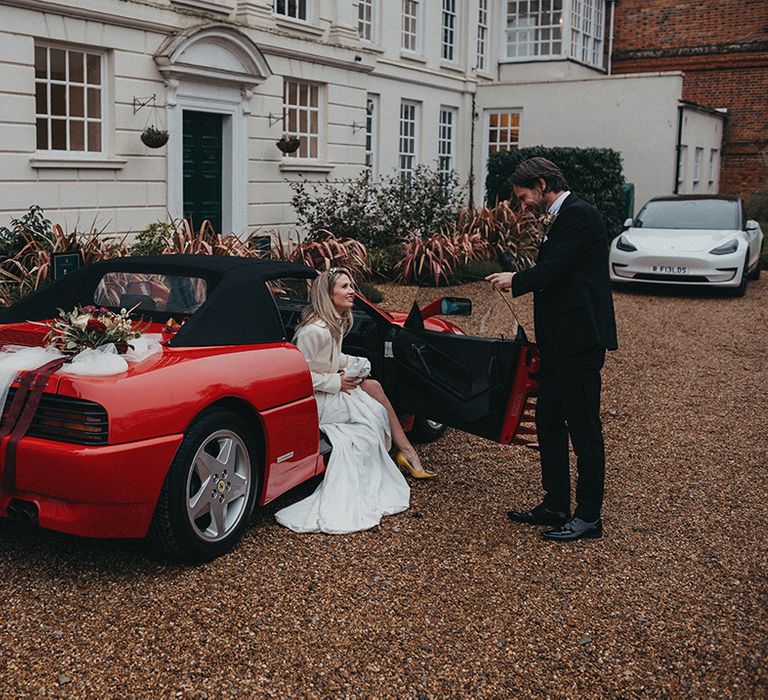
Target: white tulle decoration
{"x": 103, "y": 361}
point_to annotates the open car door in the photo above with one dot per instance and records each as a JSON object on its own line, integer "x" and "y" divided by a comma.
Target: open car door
{"x": 483, "y": 386}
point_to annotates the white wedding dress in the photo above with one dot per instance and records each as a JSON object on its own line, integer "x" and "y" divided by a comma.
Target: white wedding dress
{"x": 362, "y": 483}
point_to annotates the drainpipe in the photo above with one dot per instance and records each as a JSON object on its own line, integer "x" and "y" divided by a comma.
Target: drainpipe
{"x": 678, "y": 147}
{"x": 610, "y": 35}
{"x": 472, "y": 154}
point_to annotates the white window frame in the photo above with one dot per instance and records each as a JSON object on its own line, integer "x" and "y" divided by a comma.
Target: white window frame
{"x": 446, "y": 141}
{"x": 712, "y": 180}
{"x": 698, "y": 156}
{"x": 449, "y": 30}
{"x": 300, "y": 108}
{"x": 296, "y": 10}
{"x": 410, "y": 41}
{"x": 482, "y": 35}
{"x": 366, "y": 20}
{"x": 588, "y": 32}
{"x": 408, "y": 143}
{"x": 67, "y": 85}
{"x": 514, "y": 118}
{"x": 372, "y": 134}
{"x": 530, "y": 35}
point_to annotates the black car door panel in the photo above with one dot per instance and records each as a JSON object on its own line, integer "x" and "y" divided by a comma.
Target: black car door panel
{"x": 459, "y": 380}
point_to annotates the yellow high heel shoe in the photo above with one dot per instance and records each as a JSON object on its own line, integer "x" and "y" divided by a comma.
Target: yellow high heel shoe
{"x": 402, "y": 461}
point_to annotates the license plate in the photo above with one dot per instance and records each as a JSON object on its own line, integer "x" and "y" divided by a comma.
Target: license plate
{"x": 670, "y": 269}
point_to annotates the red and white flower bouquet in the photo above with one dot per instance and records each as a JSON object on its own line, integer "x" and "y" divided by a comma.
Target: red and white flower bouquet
{"x": 90, "y": 327}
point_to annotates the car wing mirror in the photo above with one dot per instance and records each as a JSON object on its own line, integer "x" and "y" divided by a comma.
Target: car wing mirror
{"x": 628, "y": 223}
{"x": 448, "y": 306}
{"x": 751, "y": 225}
{"x": 455, "y": 306}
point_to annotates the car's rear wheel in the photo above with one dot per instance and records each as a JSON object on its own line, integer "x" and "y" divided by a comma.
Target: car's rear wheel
{"x": 426, "y": 430}
{"x": 210, "y": 489}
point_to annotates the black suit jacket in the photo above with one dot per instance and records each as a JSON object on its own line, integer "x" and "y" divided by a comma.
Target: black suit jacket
{"x": 573, "y": 305}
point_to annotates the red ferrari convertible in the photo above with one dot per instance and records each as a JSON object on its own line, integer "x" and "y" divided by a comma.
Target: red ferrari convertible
{"x": 182, "y": 446}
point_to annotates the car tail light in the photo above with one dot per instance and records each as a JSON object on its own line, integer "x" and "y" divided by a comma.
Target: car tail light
{"x": 67, "y": 419}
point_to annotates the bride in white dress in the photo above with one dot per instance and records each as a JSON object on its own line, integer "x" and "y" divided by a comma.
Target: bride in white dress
{"x": 362, "y": 483}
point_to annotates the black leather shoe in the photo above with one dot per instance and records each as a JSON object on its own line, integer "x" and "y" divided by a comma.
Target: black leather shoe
{"x": 575, "y": 529}
{"x": 540, "y": 515}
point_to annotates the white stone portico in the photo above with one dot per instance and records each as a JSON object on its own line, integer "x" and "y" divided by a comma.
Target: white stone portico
{"x": 212, "y": 68}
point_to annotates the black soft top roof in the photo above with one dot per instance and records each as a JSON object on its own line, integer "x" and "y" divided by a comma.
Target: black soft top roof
{"x": 238, "y": 310}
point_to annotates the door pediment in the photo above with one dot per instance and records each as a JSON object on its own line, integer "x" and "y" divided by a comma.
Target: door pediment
{"x": 213, "y": 52}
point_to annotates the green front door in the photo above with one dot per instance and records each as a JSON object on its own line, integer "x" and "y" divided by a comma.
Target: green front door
{"x": 202, "y": 168}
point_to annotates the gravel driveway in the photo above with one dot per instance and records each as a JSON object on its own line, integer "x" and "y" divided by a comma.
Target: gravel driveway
{"x": 450, "y": 600}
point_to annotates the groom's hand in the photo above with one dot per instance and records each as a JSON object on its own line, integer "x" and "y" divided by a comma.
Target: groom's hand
{"x": 500, "y": 280}
{"x": 348, "y": 383}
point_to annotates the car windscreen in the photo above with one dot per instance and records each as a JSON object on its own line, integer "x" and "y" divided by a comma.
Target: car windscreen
{"x": 151, "y": 292}
{"x": 713, "y": 214}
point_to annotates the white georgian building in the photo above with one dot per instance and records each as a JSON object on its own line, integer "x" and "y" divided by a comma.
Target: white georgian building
{"x": 384, "y": 84}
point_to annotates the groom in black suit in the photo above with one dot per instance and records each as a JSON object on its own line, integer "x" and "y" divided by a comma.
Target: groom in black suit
{"x": 575, "y": 325}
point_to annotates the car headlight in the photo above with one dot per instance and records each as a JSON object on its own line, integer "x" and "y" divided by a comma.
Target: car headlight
{"x": 725, "y": 248}
{"x": 623, "y": 244}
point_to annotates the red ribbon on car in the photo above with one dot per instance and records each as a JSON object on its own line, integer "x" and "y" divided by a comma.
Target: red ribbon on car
{"x": 21, "y": 412}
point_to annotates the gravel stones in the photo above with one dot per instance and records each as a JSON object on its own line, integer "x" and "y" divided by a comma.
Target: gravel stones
{"x": 450, "y": 599}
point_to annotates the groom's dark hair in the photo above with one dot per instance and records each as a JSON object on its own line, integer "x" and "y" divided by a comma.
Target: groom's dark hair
{"x": 527, "y": 174}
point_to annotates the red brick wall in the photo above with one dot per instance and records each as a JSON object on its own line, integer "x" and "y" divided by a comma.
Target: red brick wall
{"x": 722, "y": 47}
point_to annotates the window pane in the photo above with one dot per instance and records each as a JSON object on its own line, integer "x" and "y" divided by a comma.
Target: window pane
{"x": 41, "y": 98}
{"x": 94, "y": 136}
{"x": 75, "y": 67}
{"x": 76, "y": 136}
{"x": 42, "y": 134}
{"x": 58, "y": 134}
{"x": 58, "y": 100}
{"x": 41, "y": 62}
{"x": 76, "y": 101}
{"x": 94, "y": 103}
{"x": 58, "y": 59}
{"x": 94, "y": 69}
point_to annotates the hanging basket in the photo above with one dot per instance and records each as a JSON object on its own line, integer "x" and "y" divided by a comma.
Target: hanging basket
{"x": 289, "y": 143}
{"x": 154, "y": 138}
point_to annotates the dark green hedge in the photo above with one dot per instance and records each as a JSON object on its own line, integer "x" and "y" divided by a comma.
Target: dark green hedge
{"x": 592, "y": 173}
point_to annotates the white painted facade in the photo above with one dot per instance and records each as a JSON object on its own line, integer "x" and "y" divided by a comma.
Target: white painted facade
{"x": 232, "y": 58}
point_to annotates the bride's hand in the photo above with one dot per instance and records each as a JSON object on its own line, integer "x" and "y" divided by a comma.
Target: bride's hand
{"x": 349, "y": 383}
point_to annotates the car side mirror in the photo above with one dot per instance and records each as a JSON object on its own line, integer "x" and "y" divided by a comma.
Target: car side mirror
{"x": 455, "y": 306}
{"x": 751, "y": 225}
{"x": 448, "y": 306}
{"x": 628, "y": 223}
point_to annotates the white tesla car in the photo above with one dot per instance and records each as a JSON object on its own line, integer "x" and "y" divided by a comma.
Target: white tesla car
{"x": 692, "y": 240}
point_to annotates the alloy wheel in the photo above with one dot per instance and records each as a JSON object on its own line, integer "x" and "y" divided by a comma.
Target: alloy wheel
{"x": 218, "y": 484}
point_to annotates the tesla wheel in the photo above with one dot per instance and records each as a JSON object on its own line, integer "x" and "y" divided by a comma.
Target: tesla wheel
{"x": 210, "y": 490}
{"x": 741, "y": 290}
{"x": 426, "y": 430}
{"x": 755, "y": 274}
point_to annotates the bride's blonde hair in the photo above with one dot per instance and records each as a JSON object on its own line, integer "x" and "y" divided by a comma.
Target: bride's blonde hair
{"x": 321, "y": 304}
